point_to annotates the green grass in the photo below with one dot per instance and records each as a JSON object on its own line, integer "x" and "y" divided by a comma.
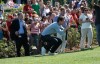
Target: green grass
{"x": 80, "y": 57}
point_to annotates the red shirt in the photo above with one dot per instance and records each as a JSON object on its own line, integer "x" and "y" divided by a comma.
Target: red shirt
{"x": 27, "y": 8}
{"x": 8, "y": 24}
{"x": 75, "y": 18}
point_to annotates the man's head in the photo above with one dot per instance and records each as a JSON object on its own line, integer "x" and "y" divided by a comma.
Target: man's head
{"x": 62, "y": 11}
{"x": 29, "y": 2}
{"x": 60, "y": 20}
{"x": 20, "y": 15}
{"x": 66, "y": 6}
{"x": 86, "y": 10}
{"x": 9, "y": 17}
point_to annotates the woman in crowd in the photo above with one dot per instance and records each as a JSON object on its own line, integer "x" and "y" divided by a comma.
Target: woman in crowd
{"x": 35, "y": 29}
{"x": 86, "y": 28}
{"x": 44, "y": 22}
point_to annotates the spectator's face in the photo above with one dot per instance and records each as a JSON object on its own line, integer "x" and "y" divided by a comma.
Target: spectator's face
{"x": 45, "y": 19}
{"x": 21, "y": 16}
{"x": 86, "y": 11}
{"x": 63, "y": 12}
{"x": 15, "y": 16}
{"x": 62, "y": 22}
{"x": 9, "y": 19}
{"x": 28, "y": 2}
{"x": 27, "y": 16}
{"x": 33, "y": 1}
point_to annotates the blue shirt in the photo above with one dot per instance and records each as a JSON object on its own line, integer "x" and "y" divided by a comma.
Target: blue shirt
{"x": 22, "y": 24}
{"x": 66, "y": 21}
{"x": 52, "y": 29}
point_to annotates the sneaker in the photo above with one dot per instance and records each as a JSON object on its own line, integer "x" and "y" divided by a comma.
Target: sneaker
{"x": 52, "y": 53}
{"x": 34, "y": 47}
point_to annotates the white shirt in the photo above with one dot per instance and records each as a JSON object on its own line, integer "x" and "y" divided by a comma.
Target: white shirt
{"x": 46, "y": 11}
{"x": 86, "y": 24}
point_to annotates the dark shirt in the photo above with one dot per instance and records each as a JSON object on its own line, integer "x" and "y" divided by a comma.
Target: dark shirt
{"x": 97, "y": 14}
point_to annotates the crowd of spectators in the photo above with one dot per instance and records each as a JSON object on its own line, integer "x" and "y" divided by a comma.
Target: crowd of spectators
{"x": 43, "y": 23}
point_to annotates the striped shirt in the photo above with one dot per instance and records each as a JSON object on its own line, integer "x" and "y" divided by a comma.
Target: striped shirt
{"x": 35, "y": 28}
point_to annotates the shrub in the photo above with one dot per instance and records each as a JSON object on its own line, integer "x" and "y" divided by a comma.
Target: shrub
{"x": 7, "y": 50}
{"x": 73, "y": 38}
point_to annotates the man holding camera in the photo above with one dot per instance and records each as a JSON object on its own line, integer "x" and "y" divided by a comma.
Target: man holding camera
{"x": 53, "y": 42}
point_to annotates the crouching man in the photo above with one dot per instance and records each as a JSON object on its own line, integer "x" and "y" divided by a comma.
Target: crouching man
{"x": 52, "y": 42}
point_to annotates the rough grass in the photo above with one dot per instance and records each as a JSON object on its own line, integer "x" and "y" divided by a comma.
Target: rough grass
{"x": 80, "y": 57}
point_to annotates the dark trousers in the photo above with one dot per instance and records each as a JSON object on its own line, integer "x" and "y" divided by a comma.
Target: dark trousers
{"x": 35, "y": 39}
{"x": 22, "y": 41}
{"x": 52, "y": 43}
{"x": 98, "y": 33}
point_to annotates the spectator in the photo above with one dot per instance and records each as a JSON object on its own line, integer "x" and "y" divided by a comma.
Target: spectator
{"x": 86, "y": 28}
{"x": 27, "y": 8}
{"x": 35, "y": 30}
{"x": 1, "y": 11}
{"x": 46, "y": 10}
{"x": 44, "y": 23}
{"x": 7, "y": 27}
{"x": 36, "y": 6}
{"x": 75, "y": 18}
{"x": 1, "y": 31}
{"x": 19, "y": 34}
{"x": 41, "y": 4}
{"x": 15, "y": 15}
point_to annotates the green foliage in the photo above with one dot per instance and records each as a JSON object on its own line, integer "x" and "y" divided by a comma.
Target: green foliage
{"x": 73, "y": 38}
{"x": 13, "y": 10}
{"x": 94, "y": 35}
{"x": 1, "y": 2}
{"x": 7, "y": 50}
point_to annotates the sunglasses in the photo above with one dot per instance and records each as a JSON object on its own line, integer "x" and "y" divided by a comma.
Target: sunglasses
{"x": 86, "y": 10}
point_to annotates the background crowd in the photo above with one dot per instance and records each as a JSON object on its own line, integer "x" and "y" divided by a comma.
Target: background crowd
{"x": 25, "y": 27}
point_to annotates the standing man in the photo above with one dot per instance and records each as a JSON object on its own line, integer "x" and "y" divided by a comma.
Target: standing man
{"x": 97, "y": 19}
{"x": 53, "y": 42}
{"x": 65, "y": 24}
{"x": 19, "y": 34}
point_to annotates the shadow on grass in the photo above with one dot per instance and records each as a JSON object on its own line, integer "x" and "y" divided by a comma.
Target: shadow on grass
{"x": 71, "y": 51}
{"x": 74, "y": 51}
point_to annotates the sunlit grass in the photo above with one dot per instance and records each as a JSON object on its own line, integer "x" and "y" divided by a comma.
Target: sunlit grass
{"x": 81, "y": 57}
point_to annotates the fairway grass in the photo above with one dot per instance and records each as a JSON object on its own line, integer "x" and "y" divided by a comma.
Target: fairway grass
{"x": 80, "y": 57}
